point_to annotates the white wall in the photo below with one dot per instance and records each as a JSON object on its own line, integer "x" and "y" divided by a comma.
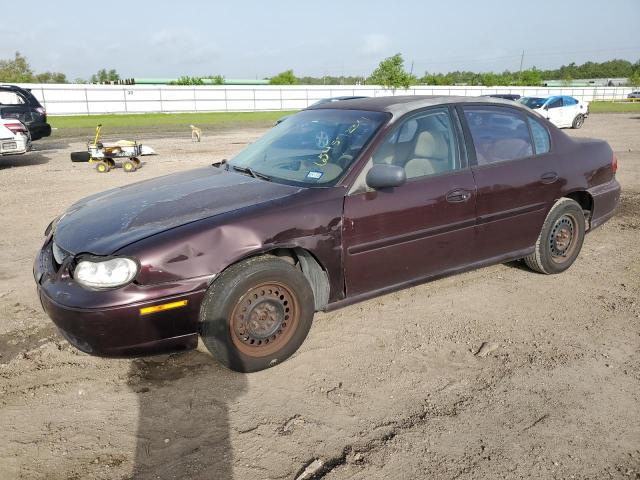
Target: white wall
{"x": 96, "y": 99}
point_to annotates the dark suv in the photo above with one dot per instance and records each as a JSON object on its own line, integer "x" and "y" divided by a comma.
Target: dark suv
{"x": 21, "y": 104}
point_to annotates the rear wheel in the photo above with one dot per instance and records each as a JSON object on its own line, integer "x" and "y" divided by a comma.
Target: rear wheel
{"x": 560, "y": 239}
{"x": 256, "y": 314}
{"x": 578, "y": 121}
{"x": 129, "y": 166}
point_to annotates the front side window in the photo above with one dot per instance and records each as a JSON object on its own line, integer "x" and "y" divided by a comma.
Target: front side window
{"x": 311, "y": 148}
{"x": 555, "y": 103}
{"x": 499, "y": 134}
{"x": 423, "y": 145}
{"x": 532, "y": 102}
{"x": 540, "y": 136}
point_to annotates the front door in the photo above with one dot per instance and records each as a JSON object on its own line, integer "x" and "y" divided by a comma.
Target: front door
{"x": 555, "y": 112}
{"x": 425, "y": 227}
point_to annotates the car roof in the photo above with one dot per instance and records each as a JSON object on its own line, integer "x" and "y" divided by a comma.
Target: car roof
{"x": 399, "y": 105}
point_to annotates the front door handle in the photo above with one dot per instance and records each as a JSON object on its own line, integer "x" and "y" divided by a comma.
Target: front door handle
{"x": 549, "y": 177}
{"x": 458, "y": 195}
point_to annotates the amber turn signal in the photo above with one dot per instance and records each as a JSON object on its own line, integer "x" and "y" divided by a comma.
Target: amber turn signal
{"x": 163, "y": 307}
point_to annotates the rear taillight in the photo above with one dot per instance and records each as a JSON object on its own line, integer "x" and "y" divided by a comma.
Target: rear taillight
{"x": 614, "y": 164}
{"x": 16, "y": 127}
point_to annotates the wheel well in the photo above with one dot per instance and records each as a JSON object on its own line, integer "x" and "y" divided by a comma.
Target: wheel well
{"x": 585, "y": 200}
{"x": 313, "y": 271}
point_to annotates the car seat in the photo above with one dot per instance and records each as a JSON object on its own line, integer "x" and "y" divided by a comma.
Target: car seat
{"x": 430, "y": 155}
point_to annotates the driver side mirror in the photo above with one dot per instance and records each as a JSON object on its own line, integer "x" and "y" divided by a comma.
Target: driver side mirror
{"x": 546, "y": 107}
{"x": 382, "y": 175}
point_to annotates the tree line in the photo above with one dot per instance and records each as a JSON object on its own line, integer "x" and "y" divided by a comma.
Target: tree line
{"x": 390, "y": 73}
{"x": 18, "y": 70}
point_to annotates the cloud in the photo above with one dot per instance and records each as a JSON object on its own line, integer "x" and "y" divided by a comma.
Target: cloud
{"x": 375, "y": 44}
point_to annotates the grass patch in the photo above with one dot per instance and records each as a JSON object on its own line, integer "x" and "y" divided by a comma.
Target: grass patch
{"x": 164, "y": 119}
{"x": 614, "y": 107}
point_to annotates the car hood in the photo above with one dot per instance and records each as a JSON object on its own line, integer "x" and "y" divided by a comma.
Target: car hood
{"x": 104, "y": 223}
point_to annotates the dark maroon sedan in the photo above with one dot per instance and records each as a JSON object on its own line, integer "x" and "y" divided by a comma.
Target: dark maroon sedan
{"x": 338, "y": 203}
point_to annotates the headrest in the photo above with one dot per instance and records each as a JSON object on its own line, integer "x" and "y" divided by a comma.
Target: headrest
{"x": 431, "y": 145}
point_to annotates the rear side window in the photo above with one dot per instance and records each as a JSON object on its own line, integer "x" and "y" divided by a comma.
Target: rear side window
{"x": 499, "y": 134}
{"x": 540, "y": 136}
{"x": 567, "y": 101}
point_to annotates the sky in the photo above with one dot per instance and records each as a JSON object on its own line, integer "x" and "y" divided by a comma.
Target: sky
{"x": 258, "y": 39}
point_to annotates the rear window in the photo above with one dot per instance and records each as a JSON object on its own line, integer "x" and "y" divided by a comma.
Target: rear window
{"x": 499, "y": 134}
{"x": 11, "y": 98}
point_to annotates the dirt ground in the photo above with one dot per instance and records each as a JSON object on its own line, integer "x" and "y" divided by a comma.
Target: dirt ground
{"x": 389, "y": 388}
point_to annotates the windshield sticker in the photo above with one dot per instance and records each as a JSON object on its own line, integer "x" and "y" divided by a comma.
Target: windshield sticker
{"x": 323, "y": 156}
{"x": 314, "y": 174}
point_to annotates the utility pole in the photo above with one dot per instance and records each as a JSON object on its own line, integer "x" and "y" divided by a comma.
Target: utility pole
{"x": 521, "y": 62}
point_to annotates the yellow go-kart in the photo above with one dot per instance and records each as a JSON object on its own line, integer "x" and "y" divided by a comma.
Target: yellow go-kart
{"x": 106, "y": 156}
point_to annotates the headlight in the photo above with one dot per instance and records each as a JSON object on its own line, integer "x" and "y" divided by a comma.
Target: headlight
{"x": 105, "y": 274}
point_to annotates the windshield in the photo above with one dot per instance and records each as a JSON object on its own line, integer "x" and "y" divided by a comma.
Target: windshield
{"x": 310, "y": 148}
{"x": 533, "y": 102}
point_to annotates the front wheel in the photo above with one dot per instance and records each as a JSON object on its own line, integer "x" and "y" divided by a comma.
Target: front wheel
{"x": 560, "y": 239}
{"x": 578, "y": 121}
{"x": 256, "y": 314}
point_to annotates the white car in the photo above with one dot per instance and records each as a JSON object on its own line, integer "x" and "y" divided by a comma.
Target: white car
{"x": 14, "y": 137}
{"x": 561, "y": 110}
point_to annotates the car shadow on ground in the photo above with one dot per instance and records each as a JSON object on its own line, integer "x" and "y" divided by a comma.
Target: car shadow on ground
{"x": 518, "y": 265}
{"x": 183, "y": 426}
{"x": 27, "y": 160}
{"x": 47, "y": 145}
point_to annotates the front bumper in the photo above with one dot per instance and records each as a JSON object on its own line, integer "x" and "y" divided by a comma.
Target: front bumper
{"x": 115, "y": 327}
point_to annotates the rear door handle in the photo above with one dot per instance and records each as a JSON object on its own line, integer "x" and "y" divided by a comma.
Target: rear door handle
{"x": 549, "y": 177}
{"x": 458, "y": 195}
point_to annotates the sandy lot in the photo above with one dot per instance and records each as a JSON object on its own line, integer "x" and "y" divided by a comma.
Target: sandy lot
{"x": 388, "y": 388}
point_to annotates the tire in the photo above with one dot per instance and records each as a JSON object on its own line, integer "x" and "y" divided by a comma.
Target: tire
{"x": 80, "y": 156}
{"x": 103, "y": 167}
{"x": 278, "y": 300}
{"x": 129, "y": 166}
{"x": 578, "y": 121}
{"x": 560, "y": 239}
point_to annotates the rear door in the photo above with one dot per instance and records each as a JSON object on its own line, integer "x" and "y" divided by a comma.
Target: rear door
{"x": 398, "y": 235}
{"x": 517, "y": 176}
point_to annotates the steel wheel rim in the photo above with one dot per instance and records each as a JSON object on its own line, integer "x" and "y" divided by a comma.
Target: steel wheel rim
{"x": 264, "y": 319}
{"x": 562, "y": 239}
